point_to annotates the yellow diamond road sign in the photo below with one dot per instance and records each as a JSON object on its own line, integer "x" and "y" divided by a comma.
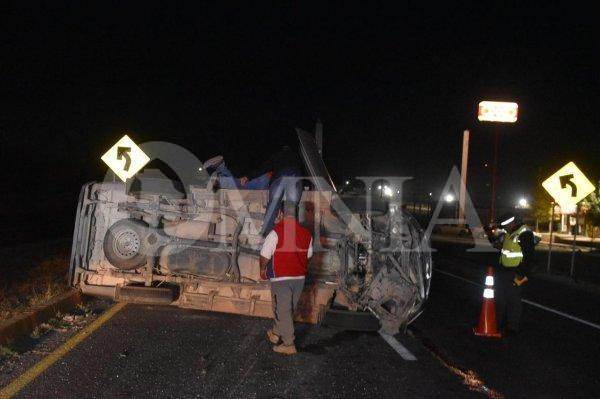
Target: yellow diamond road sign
{"x": 125, "y": 158}
{"x": 568, "y": 186}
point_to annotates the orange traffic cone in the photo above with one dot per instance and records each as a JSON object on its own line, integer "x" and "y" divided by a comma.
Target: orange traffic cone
{"x": 487, "y": 318}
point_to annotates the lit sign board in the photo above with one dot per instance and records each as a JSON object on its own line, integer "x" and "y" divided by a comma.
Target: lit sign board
{"x": 495, "y": 111}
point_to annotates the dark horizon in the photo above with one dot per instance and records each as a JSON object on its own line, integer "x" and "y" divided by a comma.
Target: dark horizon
{"x": 393, "y": 88}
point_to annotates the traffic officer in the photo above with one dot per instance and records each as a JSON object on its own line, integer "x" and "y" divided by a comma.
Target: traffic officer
{"x": 284, "y": 260}
{"x": 516, "y": 258}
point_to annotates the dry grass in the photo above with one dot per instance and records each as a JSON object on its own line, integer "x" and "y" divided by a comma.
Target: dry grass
{"x": 31, "y": 286}
{"x": 6, "y": 352}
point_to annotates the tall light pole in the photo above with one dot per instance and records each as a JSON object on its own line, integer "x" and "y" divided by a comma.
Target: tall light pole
{"x": 503, "y": 112}
{"x": 463, "y": 177}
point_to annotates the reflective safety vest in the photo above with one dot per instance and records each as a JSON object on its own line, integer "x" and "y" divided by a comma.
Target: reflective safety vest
{"x": 512, "y": 254}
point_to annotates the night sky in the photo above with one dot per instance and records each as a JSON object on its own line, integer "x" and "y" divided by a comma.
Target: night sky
{"x": 394, "y": 87}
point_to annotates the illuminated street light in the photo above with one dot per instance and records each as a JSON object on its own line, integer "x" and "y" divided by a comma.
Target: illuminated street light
{"x": 523, "y": 203}
{"x": 449, "y": 197}
{"x": 387, "y": 191}
{"x": 378, "y": 187}
{"x": 347, "y": 182}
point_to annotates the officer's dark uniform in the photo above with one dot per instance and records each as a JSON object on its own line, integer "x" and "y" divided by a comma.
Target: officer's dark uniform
{"x": 516, "y": 258}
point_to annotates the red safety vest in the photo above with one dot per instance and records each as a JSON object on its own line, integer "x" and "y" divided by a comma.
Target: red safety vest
{"x": 291, "y": 254}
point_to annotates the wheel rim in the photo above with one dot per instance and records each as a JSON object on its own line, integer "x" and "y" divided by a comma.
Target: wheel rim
{"x": 126, "y": 244}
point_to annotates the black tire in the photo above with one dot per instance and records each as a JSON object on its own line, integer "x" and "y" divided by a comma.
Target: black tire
{"x": 125, "y": 244}
{"x": 351, "y": 320}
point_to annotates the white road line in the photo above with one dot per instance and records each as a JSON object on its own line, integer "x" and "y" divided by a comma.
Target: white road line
{"x": 568, "y": 316}
{"x": 527, "y": 301}
{"x": 397, "y": 346}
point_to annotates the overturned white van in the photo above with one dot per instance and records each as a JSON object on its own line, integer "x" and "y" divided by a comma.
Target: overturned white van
{"x": 199, "y": 248}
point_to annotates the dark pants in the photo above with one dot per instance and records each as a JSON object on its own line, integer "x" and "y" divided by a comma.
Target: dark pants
{"x": 285, "y": 295}
{"x": 508, "y": 299}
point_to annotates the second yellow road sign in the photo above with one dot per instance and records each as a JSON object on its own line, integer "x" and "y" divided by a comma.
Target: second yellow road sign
{"x": 568, "y": 186}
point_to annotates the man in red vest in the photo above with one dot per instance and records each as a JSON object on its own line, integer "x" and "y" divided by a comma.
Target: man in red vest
{"x": 284, "y": 260}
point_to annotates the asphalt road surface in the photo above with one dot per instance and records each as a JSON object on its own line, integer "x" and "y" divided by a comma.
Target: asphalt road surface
{"x": 152, "y": 351}
{"x": 554, "y": 356}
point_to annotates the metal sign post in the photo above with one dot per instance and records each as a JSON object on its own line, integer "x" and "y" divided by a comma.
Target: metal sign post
{"x": 550, "y": 243}
{"x": 575, "y": 230}
{"x": 494, "y": 177}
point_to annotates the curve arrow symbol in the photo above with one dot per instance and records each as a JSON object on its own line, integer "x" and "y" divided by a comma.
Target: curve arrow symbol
{"x": 123, "y": 152}
{"x": 566, "y": 179}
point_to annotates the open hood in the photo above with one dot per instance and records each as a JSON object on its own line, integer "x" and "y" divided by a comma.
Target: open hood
{"x": 313, "y": 162}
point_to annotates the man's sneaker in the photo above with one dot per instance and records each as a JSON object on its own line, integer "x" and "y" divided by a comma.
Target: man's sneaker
{"x": 285, "y": 349}
{"x": 274, "y": 338}
{"x": 212, "y": 163}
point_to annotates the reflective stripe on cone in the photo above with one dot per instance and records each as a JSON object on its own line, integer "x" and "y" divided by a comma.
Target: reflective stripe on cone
{"x": 487, "y": 318}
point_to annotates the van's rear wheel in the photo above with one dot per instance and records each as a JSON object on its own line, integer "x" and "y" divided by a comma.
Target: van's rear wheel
{"x": 125, "y": 244}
